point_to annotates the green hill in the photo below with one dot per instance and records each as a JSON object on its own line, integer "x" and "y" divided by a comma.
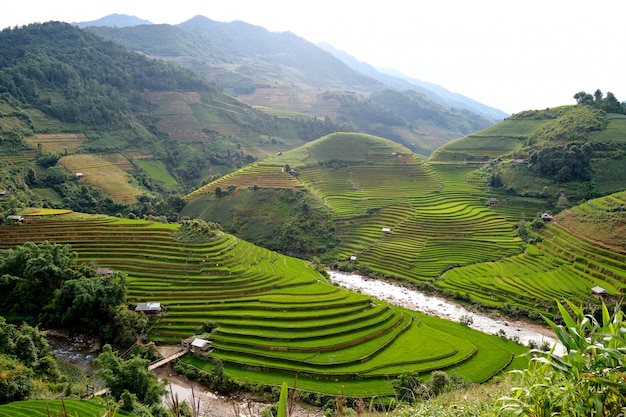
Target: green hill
{"x": 425, "y": 222}
{"x": 537, "y": 153}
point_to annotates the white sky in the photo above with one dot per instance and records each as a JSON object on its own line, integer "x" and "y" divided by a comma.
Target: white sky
{"x": 512, "y": 55}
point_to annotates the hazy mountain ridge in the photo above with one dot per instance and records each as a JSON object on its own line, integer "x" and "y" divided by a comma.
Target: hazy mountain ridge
{"x": 396, "y": 79}
{"x": 115, "y": 20}
{"x": 284, "y": 72}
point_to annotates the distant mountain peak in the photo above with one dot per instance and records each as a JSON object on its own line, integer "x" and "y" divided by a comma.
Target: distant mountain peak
{"x": 115, "y": 20}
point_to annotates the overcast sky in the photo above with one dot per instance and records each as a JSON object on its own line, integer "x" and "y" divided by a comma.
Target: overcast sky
{"x": 511, "y": 55}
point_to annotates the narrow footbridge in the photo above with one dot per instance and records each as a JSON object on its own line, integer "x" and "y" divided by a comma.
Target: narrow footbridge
{"x": 170, "y": 358}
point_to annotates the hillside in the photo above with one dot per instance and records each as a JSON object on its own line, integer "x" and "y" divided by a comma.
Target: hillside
{"x": 427, "y": 223}
{"x": 571, "y": 152}
{"x": 277, "y": 316}
{"x": 72, "y": 102}
{"x": 283, "y": 72}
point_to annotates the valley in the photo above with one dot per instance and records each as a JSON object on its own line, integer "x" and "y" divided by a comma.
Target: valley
{"x": 224, "y": 193}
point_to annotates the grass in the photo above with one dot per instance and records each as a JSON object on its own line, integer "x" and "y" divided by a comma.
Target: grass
{"x": 157, "y": 170}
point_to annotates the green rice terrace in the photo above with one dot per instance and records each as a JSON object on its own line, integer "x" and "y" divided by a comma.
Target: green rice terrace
{"x": 395, "y": 213}
{"x": 429, "y": 222}
{"x": 563, "y": 264}
{"x": 35, "y": 408}
{"x": 277, "y": 317}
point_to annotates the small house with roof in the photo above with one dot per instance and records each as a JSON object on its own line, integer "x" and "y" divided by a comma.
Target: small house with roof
{"x": 196, "y": 345}
{"x": 16, "y": 219}
{"x": 150, "y": 309}
{"x": 599, "y": 292}
{"x": 546, "y": 217}
{"x": 353, "y": 258}
{"x": 492, "y": 202}
{"x": 386, "y": 231}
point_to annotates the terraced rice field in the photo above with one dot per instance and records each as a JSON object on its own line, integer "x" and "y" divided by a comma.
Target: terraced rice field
{"x": 108, "y": 172}
{"x": 268, "y": 176}
{"x": 57, "y": 142}
{"x": 46, "y": 408}
{"x": 278, "y": 318}
{"x": 562, "y": 265}
{"x": 434, "y": 221}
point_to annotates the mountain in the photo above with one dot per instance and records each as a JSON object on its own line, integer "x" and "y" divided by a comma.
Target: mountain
{"x": 115, "y": 20}
{"x": 395, "y": 79}
{"x": 283, "y": 72}
{"x": 73, "y": 102}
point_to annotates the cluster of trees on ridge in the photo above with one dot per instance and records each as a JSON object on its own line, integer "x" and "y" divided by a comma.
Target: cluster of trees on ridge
{"x": 608, "y": 103}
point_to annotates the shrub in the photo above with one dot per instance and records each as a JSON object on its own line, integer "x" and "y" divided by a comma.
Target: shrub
{"x": 588, "y": 380}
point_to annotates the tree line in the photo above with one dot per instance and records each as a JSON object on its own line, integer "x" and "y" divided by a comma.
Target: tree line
{"x": 608, "y": 103}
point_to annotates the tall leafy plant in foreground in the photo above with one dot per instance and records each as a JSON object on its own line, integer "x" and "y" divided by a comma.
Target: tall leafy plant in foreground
{"x": 588, "y": 380}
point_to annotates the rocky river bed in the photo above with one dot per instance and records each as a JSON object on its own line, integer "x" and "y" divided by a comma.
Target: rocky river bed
{"x": 520, "y": 330}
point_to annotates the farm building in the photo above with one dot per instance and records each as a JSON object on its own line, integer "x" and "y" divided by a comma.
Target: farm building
{"x": 546, "y": 217}
{"x": 200, "y": 345}
{"x": 386, "y": 231}
{"x": 79, "y": 175}
{"x": 105, "y": 271}
{"x": 16, "y": 219}
{"x": 196, "y": 344}
{"x": 353, "y": 258}
{"x": 598, "y": 291}
{"x": 492, "y": 202}
{"x": 4, "y": 193}
{"x": 151, "y": 309}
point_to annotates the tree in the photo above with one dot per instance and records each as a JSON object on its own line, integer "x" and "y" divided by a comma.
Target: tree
{"x": 131, "y": 375}
{"x": 86, "y": 305}
{"x": 30, "y": 276}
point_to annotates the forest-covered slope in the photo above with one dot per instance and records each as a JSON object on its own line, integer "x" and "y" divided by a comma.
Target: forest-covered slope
{"x": 72, "y": 102}
{"x": 281, "y": 71}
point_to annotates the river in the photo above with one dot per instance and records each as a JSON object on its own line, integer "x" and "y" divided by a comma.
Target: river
{"x": 520, "y": 330}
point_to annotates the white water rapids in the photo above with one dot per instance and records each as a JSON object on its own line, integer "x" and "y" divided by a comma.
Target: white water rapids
{"x": 440, "y": 307}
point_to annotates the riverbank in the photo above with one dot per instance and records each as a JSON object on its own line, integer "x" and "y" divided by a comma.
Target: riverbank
{"x": 520, "y": 330}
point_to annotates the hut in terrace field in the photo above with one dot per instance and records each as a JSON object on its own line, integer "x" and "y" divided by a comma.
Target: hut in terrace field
{"x": 16, "y": 219}
{"x": 492, "y": 202}
{"x": 546, "y": 217}
{"x": 3, "y": 193}
{"x": 385, "y": 231}
{"x": 353, "y": 258}
{"x": 105, "y": 271}
{"x": 599, "y": 292}
{"x": 196, "y": 345}
{"x": 150, "y": 309}
{"x": 200, "y": 345}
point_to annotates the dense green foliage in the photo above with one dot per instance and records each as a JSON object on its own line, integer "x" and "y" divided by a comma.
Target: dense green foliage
{"x": 129, "y": 379}
{"x": 43, "y": 285}
{"x": 100, "y": 84}
{"x": 24, "y": 359}
{"x": 608, "y": 103}
{"x": 563, "y": 164}
{"x": 587, "y": 380}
